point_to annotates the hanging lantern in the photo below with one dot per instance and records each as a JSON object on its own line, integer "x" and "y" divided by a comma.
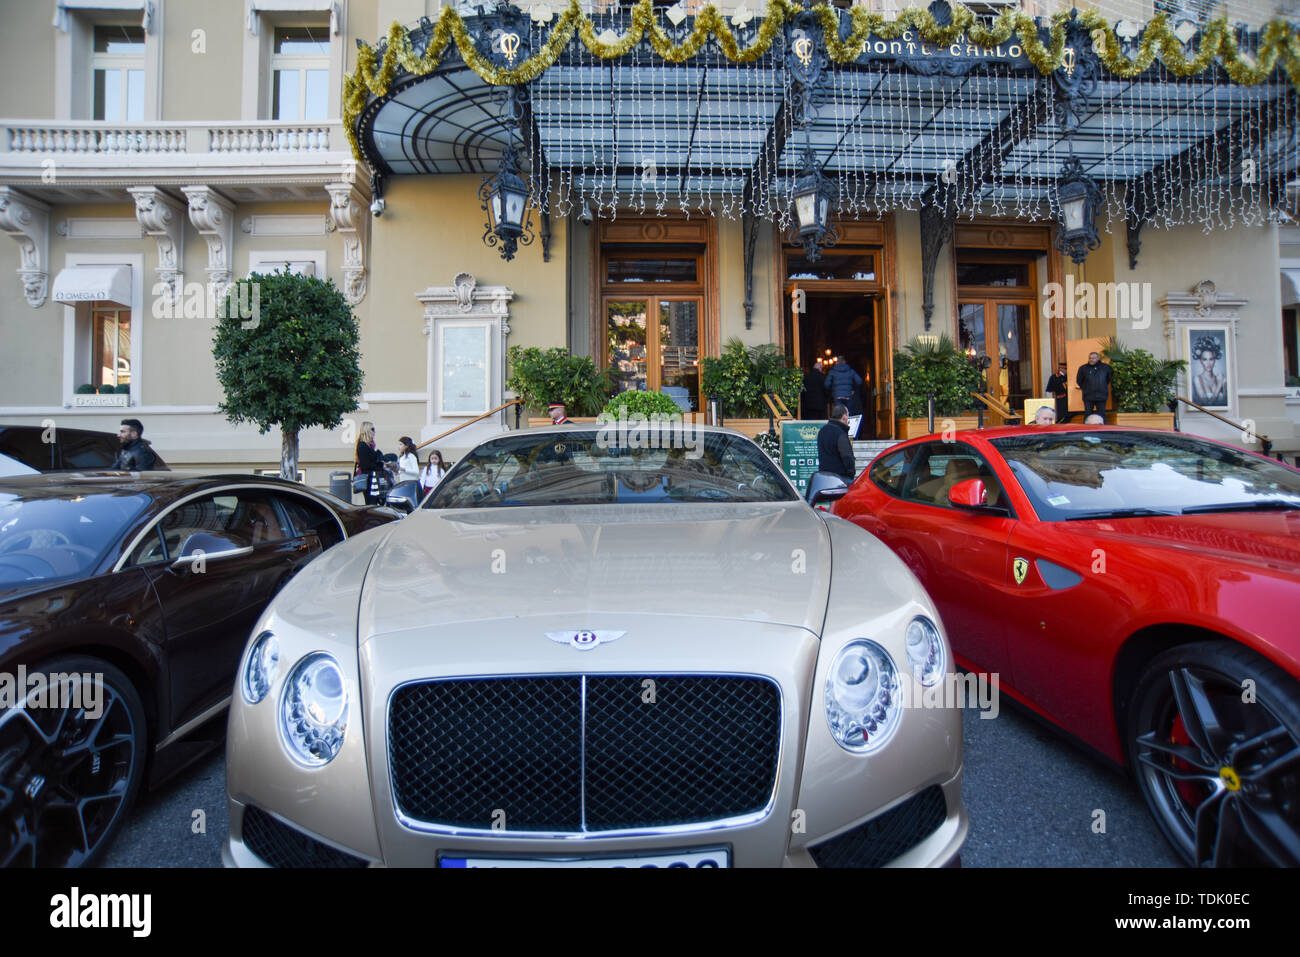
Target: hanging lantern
{"x": 504, "y": 197}
{"x": 1078, "y": 199}
{"x": 814, "y": 192}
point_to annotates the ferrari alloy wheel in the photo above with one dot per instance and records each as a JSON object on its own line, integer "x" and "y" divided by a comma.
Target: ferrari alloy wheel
{"x": 71, "y": 759}
{"x": 1214, "y": 739}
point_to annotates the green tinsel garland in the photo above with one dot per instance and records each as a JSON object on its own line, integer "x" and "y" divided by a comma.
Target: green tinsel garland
{"x": 1279, "y": 43}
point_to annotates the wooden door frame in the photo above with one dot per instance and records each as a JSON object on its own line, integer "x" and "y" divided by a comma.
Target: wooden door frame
{"x": 654, "y": 359}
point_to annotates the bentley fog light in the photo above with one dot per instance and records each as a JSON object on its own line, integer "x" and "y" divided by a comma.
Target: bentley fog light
{"x": 261, "y": 667}
{"x": 863, "y": 701}
{"x": 314, "y": 711}
{"x": 925, "y": 651}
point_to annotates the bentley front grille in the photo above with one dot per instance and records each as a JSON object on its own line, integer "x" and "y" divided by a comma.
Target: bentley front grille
{"x": 578, "y": 754}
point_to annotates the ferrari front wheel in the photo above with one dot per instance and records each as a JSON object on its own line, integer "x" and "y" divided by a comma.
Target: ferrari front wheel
{"x": 1214, "y": 739}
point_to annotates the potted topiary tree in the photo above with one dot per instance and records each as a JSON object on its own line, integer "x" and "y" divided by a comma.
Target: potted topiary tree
{"x": 541, "y": 376}
{"x": 933, "y": 367}
{"x": 297, "y": 364}
{"x": 742, "y": 375}
{"x": 633, "y": 403}
{"x": 1143, "y": 386}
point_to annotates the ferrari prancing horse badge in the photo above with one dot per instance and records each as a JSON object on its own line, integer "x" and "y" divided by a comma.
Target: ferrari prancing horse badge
{"x": 1020, "y": 568}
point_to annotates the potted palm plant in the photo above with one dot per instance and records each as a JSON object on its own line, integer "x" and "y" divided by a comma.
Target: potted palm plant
{"x": 933, "y": 367}
{"x": 742, "y": 375}
{"x": 1142, "y": 385}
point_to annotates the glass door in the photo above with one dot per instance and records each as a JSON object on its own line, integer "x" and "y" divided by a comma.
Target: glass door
{"x": 667, "y": 361}
{"x": 1002, "y": 332}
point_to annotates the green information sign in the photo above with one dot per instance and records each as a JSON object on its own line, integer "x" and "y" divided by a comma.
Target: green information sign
{"x": 799, "y": 451}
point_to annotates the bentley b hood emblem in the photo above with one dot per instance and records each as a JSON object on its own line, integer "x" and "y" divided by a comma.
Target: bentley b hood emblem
{"x": 584, "y": 640}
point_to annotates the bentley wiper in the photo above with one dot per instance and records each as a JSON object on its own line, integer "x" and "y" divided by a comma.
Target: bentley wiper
{"x": 1258, "y": 505}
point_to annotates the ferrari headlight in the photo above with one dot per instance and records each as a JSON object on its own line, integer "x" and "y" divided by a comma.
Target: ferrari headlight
{"x": 261, "y": 667}
{"x": 314, "y": 711}
{"x": 863, "y": 703}
{"x": 925, "y": 651}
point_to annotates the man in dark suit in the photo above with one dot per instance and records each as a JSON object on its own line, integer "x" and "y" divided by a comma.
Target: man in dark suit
{"x": 842, "y": 385}
{"x": 1058, "y": 386}
{"x": 1094, "y": 379}
{"x": 834, "y": 450}
{"x": 814, "y": 393}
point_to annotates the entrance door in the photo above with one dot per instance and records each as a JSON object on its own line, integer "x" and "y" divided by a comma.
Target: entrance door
{"x": 842, "y": 324}
{"x": 1002, "y": 331}
{"x": 653, "y": 342}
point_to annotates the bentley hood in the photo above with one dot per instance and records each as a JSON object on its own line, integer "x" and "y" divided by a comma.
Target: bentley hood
{"x": 766, "y": 562}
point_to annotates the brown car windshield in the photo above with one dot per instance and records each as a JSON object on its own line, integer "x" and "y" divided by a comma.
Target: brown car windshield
{"x": 1105, "y": 474}
{"x": 48, "y": 538}
{"x": 600, "y": 467}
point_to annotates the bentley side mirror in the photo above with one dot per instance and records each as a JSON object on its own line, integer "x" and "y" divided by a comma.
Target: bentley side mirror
{"x": 970, "y": 493}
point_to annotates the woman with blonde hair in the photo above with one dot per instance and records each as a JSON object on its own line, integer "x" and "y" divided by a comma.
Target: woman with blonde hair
{"x": 369, "y": 462}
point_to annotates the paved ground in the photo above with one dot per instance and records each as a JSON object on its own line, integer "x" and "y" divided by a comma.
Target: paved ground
{"x": 1032, "y": 798}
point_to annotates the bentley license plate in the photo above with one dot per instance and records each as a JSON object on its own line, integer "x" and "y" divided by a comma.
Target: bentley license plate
{"x": 707, "y": 857}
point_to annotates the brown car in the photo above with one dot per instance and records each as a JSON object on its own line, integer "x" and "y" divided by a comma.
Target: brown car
{"x": 125, "y": 601}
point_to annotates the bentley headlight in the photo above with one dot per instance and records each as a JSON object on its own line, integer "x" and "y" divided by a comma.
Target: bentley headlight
{"x": 314, "y": 711}
{"x": 261, "y": 667}
{"x": 925, "y": 651}
{"x": 863, "y": 702}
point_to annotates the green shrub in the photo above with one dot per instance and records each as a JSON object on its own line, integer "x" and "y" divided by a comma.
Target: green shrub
{"x": 743, "y": 374}
{"x": 938, "y": 368}
{"x": 86, "y": 389}
{"x": 541, "y": 376}
{"x": 1138, "y": 380}
{"x": 123, "y": 388}
{"x": 107, "y": 389}
{"x": 641, "y": 403}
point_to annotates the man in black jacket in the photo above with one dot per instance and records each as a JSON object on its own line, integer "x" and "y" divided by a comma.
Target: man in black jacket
{"x": 842, "y": 385}
{"x": 135, "y": 454}
{"x": 834, "y": 450}
{"x": 1058, "y": 388}
{"x": 814, "y": 393}
{"x": 1094, "y": 380}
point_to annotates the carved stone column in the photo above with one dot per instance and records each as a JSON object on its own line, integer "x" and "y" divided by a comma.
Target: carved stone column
{"x": 351, "y": 218}
{"x": 28, "y": 222}
{"x": 214, "y": 217}
{"x": 164, "y": 219}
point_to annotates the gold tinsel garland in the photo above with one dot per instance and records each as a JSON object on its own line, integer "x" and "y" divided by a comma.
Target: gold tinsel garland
{"x": 1279, "y": 44}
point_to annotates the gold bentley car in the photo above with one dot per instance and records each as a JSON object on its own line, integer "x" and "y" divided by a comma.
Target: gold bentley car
{"x": 599, "y": 646}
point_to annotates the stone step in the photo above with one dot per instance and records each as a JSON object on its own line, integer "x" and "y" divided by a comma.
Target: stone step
{"x": 866, "y": 450}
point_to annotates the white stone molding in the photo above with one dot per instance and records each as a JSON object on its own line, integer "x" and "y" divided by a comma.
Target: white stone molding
{"x": 100, "y": 227}
{"x": 351, "y": 218}
{"x": 464, "y": 302}
{"x": 286, "y": 224}
{"x": 28, "y": 222}
{"x": 164, "y": 219}
{"x": 1204, "y": 305}
{"x": 214, "y": 217}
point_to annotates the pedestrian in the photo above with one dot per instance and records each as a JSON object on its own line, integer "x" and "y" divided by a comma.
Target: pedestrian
{"x": 1045, "y": 415}
{"x": 408, "y": 465}
{"x": 834, "y": 450}
{"x": 1094, "y": 379}
{"x": 135, "y": 455}
{"x": 556, "y": 412}
{"x": 1058, "y": 387}
{"x": 369, "y": 463}
{"x": 433, "y": 472}
{"x": 842, "y": 385}
{"x": 814, "y": 393}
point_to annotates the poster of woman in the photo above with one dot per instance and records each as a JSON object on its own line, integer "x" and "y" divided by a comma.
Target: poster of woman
{"x": 1208, "y": 366}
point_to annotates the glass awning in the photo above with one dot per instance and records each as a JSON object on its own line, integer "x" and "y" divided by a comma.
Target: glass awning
{"x": 903, "y": 118}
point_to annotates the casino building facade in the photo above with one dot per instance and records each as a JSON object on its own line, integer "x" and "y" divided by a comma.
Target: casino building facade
{"x": 831, "y": 178}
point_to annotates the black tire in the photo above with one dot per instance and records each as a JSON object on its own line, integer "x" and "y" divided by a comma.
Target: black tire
{"x": 67, "y": 779}
{"x": 1220, "y": 772}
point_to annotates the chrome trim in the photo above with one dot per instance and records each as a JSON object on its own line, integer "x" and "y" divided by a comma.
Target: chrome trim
{"x": 742, "y": 820}
{"x": 582, "y": 755}
{"x": 153, "y": 523}
{"x": 193, "y": 723}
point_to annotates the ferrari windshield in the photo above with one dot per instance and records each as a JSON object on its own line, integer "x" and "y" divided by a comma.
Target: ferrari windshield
{"x": 1079, "y": 475}
{"x": 46, "y": 537}
{"x": 599, "y": 467}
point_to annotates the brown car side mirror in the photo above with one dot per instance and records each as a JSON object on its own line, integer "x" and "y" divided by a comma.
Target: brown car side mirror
{"x": 970, "y": 493}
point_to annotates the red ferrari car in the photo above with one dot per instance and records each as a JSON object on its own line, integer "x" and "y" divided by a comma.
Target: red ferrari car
{"x": 1140, "y": 589}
